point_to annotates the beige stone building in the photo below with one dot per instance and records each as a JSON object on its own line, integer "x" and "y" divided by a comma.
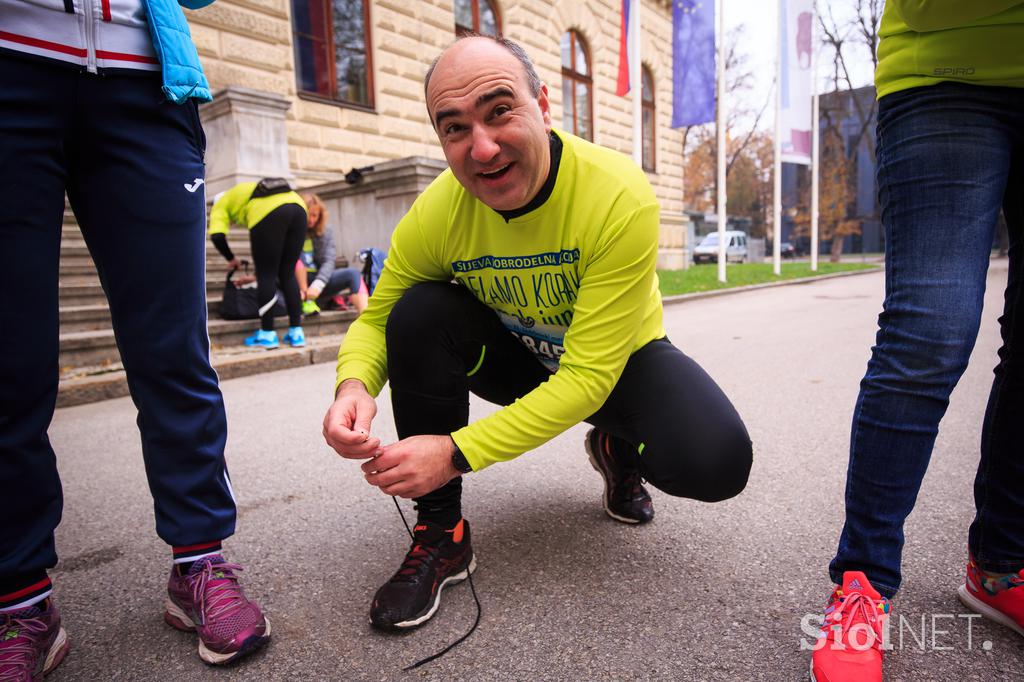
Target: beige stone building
{"x": 311, "y": 89}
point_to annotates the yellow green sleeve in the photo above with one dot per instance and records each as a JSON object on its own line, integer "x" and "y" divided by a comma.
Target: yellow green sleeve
{"x": 613, "y": 295}
{"x": 363, "y": 353}
{"x": 228, "y": 208}
{"x": 936, "y": 15}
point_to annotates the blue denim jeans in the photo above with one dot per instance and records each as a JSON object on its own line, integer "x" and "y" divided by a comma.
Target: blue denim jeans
{"x": 340, "y": 280}
{"x": 949, "y": 156}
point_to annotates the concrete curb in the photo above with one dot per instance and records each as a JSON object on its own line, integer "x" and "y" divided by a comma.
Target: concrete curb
{"x": 112, "y": 384}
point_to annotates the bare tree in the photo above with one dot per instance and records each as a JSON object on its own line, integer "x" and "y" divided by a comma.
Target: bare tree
{"x": 740, "y": 132}
{"x": 848, "y": 38}
{"x": 837, "y": 192}
{"x": 857, "y": 34}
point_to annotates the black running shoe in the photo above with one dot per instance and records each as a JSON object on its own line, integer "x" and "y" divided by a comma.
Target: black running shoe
{"x": 625, "y": 498}
{"x": 438, "y": 558}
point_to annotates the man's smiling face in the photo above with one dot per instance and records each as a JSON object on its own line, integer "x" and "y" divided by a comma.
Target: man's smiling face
{"x": 493, "y": 131}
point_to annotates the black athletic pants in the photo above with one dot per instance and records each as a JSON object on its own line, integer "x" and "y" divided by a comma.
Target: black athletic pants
{"x": 694, "y": 442}
{"x": 276, "y": 244}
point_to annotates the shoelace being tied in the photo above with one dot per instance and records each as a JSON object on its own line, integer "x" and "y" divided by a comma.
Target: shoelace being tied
{"x": 18, "y": 651}
{"x": 851, "y": 606}
{"x": 416, "y": 559}
{"x": 407, "y": 576}
{"x": 215, "y": 584}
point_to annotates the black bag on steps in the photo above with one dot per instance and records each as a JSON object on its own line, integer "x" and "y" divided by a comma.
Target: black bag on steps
{"x": 240, "y": 302}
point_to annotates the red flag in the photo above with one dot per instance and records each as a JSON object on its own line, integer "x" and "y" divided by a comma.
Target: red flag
{"x": 622, "y": 85}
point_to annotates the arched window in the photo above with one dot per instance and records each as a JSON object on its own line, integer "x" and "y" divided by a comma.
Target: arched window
{"x": 477, "y": 16}
{"x": 332, "y": 50}
{"x": 577, "y": 104}
{"x": 647, "y": 105}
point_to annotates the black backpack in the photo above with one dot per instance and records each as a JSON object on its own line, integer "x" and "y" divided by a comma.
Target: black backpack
{"x": 269, "y": 186}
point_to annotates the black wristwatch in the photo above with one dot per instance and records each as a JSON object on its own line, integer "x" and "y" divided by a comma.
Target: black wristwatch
{"x": 459, "y": 460}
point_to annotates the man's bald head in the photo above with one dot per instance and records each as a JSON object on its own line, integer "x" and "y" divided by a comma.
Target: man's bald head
{"x": 493, "y": 120}
{"x": 515, "y": 49}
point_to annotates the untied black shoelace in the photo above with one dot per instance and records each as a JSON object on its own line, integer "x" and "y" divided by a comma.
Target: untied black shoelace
{"x": 472, "y": 588}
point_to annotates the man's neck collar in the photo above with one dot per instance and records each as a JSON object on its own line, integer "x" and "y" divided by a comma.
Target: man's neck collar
{"x": 555, "y": 147}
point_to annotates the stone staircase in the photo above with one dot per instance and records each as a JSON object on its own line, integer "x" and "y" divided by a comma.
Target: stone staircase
{"x": 89, "y": 359}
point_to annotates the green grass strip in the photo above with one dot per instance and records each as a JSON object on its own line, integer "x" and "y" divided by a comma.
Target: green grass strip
{"x": 705, "y": 277}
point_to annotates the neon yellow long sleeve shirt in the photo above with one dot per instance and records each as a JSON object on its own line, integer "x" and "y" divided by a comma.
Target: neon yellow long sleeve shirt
{"x": 236, "y": 206}
{"x": 574, "y": 280}
{"x": 923, "y": 42}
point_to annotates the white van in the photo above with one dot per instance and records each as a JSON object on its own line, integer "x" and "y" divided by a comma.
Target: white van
{"x": 735, "y": 248}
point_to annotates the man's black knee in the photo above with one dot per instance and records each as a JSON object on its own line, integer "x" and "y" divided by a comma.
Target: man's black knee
{"x": 422, "y": 308}
{"x": 709, "y": 472}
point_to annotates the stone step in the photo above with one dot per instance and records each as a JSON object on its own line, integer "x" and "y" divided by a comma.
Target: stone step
{"x": 84, "y": 318}
{"x": 96, "y": 317}
{"x": 83, "y": 290}
{"x": 77, "y": 249}
{"x": 76, "y": 254}
{"x": 90, "y": 384}
{"x": 80, "y": 285}
{"x": 82, "y": 269}
{"x": 97, "y": 347}
{"x": 86, "y": 338}
{"x": 72, "y": 240}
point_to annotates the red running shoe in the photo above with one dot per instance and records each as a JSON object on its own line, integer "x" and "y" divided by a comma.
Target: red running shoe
{"x": 1002, "y": 603}
{"x": 209, "y": 601}
{"x": 849, "y": 648}
{"x": 32, "y": 642}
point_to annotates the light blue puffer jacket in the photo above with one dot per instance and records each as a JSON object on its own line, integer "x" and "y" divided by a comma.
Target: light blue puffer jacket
{"x": 172, "y": 41}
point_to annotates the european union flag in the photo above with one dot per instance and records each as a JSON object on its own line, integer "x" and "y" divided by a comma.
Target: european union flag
{"x": 693, "y": 62}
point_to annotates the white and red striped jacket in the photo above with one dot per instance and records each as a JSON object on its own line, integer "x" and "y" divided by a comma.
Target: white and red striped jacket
{"x": 95, "y": 34}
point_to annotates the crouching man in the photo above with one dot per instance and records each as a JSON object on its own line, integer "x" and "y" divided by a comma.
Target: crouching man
{"x": 525, "y": 274}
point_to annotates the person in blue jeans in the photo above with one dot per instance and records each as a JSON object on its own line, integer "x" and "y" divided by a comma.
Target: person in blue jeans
{"x": 98, "y": 101}
{"x": 950, "y": 157}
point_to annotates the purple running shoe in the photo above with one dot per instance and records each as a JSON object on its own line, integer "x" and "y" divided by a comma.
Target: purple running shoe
{"x": 32, "y": 643}
{"x": 209, "y": 601}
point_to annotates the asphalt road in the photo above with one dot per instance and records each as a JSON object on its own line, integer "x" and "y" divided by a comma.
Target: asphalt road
{"x": 705, "y": 592}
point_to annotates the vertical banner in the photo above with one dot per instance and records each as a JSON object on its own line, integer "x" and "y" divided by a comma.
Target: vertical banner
{"x": 622, "y": 84}
{"x": 693, "y": 62}
{"x": 796, "y": 28}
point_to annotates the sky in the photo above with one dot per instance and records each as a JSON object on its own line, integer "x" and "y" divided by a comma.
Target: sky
{"x": 760, "y": 19}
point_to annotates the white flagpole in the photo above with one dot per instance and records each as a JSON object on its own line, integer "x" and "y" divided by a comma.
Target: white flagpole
{"x": 815, "y": 154}
{"x": 636, "y": 82}
{"x": 777, "y": 174}
{"x": 720, "y": 130}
